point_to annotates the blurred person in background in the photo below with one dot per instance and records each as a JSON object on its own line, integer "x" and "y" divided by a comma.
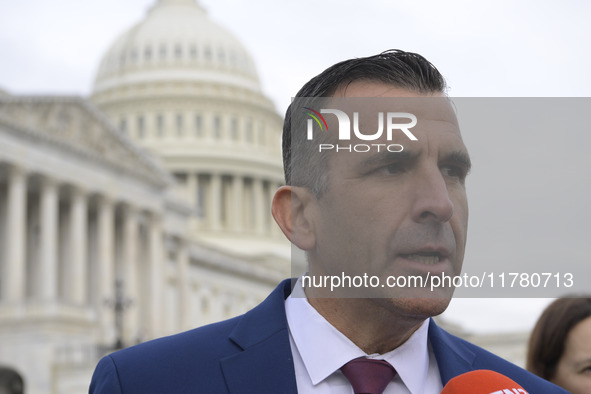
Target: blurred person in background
{"x": 560, "y": 344}
{"x": 10, "y": 382}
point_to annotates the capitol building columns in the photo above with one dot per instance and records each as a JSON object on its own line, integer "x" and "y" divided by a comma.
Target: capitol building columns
{"x": 130, "y": 255}
{"x": 128, "y": 270}
{"x": 46, "y": 272}
{"x": 156, "y": 261}
{"x": 76, "y": 269}
{"x": 62, "y": 244}
{"x": 230, "y": 203}
{"x": 14, "y": 274}
{"x": 237, "y": 212}
{"x": 106, "y": 269}
{"x": 259, "y": 206}
{"x": 184, "y": 285}
{"x": 215, "y": 202}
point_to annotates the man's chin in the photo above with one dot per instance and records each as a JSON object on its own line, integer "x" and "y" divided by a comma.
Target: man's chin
{"x": 415, "y": 308}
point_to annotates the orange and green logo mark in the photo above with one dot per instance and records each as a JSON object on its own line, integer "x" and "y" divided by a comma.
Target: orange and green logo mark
{"x": 318, "y": 118}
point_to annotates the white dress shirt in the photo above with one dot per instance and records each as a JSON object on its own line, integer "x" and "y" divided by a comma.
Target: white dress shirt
{"x": 320, "y": 350}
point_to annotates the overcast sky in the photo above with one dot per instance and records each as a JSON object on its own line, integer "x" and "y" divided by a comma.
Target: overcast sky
{"x": 484, "y": 48}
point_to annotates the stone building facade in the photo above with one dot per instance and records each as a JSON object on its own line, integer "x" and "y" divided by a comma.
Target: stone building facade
{"x": 141, "y": 211}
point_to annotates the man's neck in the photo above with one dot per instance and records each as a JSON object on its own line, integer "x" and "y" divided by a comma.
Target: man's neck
{"x": 369, "y": 325}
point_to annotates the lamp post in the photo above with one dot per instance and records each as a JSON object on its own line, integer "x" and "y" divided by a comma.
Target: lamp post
{"x": 120, "y": 304}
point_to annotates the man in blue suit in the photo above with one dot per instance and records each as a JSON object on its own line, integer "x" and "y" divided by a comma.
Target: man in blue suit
{"x": 378, "y": 205}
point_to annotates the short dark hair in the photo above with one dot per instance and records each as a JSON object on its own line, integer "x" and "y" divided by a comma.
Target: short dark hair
{"x": 394, "y": 67}
{"x": 548, "y": 338}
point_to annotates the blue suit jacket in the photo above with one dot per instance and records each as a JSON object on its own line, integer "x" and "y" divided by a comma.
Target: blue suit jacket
{"x": 251, "y": 354}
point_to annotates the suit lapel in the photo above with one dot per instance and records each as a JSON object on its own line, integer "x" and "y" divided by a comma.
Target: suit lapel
{"x": 265, "y": 364}
{"x": 453, "y": 359}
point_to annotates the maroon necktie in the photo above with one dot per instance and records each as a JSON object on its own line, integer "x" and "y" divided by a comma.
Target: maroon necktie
{"x": 368, "y": 376}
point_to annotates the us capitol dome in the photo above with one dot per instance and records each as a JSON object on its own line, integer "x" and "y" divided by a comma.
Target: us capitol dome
{"x": 187, "y": 90}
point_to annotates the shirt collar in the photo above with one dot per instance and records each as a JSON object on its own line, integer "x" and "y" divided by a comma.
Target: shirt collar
{"x": 324, "y": 349}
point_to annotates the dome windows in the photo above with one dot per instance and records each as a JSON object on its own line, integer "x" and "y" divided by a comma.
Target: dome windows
{"x": 261, "y": 133}
{"x": 220, "y": 56}
{"x": 186, "y": 125}
{"x": 141, "y": 127}
{"x": 198, "y": 125}
{"x": 234, "y": 129}
{"x": 160, "y": 125}
{"x": 217, "y": 127}
{"x": 249, "y": 133}
{"x": 178, "y": 51}
{"x": 179, "y": 125}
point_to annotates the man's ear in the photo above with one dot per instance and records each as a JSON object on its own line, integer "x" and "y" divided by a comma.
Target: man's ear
{"x": 291, "y": 208}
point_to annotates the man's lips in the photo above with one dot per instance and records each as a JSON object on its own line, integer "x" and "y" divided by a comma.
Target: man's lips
{"x": 424, "y": 258}
{"x": 428, "y": 255}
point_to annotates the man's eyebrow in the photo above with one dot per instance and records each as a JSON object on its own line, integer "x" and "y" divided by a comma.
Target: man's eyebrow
{"x": 459, "y": 157}
{"x": 385, "y": 157}
{"x": 583, "y": 362}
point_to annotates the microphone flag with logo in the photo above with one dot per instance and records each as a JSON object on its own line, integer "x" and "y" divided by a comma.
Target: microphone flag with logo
{"x": 482, "y": 381}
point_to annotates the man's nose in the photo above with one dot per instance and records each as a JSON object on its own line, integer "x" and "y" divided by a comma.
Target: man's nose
{"x": 432, "y": 200}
